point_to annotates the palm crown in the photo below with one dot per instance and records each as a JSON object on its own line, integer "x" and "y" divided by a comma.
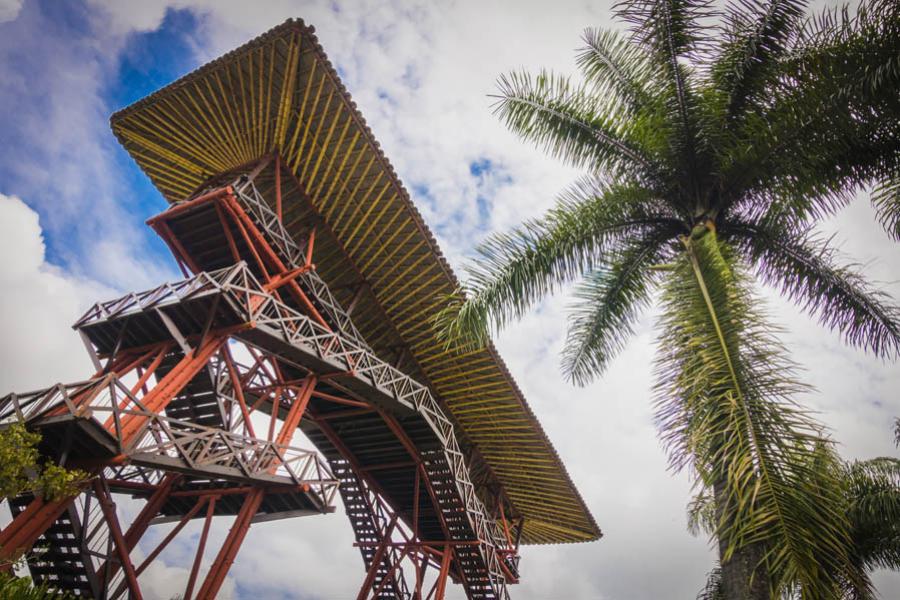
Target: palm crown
{"x": 709, "y": 157}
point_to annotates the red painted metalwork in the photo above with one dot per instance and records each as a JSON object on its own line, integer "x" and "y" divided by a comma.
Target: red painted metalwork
{"x": 195, "y": 568}
{"x": 292, "y": 420}
{"x": 175, "y": 530}
{"x": 137, "y": 436}
{"x": 112, "y": 520}
{"x": 20, "y": 535}
{"x": 237, "y": 386}
{"x": 229, "y": 550}
{"x": 150, "y": 510}
{"x": 158, "y": 398}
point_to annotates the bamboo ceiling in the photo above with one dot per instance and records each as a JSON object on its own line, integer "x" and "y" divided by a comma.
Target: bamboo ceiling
{"x": 279, "y": 93}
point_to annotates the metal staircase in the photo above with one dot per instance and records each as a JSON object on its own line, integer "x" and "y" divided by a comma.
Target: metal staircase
{"x": 71, "y": 556}
{"x": 284, "y": 332}
{"x": 368, "y": 530}
{"x": 480, "y": 566}
{"x": 198, "y": 401}
{"x": 60, "y": 561}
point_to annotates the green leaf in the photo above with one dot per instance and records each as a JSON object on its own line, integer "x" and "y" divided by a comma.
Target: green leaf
{"x": 886, "y": 200}
{"x": 514, "y": 270}
{"x": 610, "y": 299}
{"x": 804, "y": 270}
{"x": 570, "y": 123}
{"x": 725, "y": 406}
{"x": 757, "y": 34}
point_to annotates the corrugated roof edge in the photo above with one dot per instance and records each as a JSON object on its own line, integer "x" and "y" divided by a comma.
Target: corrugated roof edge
{"x": 302, "y": 27}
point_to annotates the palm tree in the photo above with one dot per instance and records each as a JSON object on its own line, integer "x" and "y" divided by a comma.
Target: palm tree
{"x": 713, "y": 141}
{"x": 872, "y": 503}
{"x": 873, "y": 492}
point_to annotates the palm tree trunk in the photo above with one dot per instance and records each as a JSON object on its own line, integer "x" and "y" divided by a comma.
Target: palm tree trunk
{"x": 743, "y": 575}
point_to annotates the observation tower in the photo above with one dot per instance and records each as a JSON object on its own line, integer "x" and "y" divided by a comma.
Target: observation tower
{"x": 310, "y": 287}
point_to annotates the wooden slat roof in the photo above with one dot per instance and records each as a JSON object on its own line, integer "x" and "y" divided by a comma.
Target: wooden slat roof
{"x": 280, "y": 93}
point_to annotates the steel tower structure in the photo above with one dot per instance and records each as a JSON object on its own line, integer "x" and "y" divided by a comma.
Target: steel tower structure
{"x": 310, "y": 282}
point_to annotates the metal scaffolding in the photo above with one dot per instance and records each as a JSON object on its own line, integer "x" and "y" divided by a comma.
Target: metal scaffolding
{"x": 170, "y": 416}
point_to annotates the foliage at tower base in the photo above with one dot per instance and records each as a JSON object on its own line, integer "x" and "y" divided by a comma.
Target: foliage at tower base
{"x": 714, "y": 140}
{"x": 17, "y": 588}
{"x": 22, "y": 471}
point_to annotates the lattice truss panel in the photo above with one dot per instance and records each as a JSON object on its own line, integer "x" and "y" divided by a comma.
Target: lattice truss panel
{"x": 174, "y": 419}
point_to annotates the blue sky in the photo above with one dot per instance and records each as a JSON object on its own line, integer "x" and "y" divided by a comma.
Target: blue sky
{"x": 143, "y": 62}
{"x": 73, "y": 206}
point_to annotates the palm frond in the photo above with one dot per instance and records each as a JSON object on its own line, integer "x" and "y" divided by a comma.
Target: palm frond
{"x": 829, "y": 124}
{"x": 570, "y": 123}
{"x": 670, "y": 33}
{"x": 804, "y": 269}
{"x": 666, "y": 27}
{"x": 712, "y": 589}
{"x": 757, "y": 34}
{"x": 512, "y": 271}
{"x": 701, "y": 513}
{"x": 724, "y": 405}
{"x": 617, "y": 69}
{"x": 874, "y": 491}
{"x": 886, "y": 199}
{"x": 22, "y": 588}
{"x": 609, "y": 300}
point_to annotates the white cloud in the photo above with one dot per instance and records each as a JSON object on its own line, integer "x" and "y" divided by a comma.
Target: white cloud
{"x": 38, "y": 305}
{"x": 420, "y": 73}
{"x": 9, "y": 10}
{"x": 58, "y": 151}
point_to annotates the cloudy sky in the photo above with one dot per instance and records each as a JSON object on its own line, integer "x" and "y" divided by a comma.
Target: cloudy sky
{"x": 72, "y": 207}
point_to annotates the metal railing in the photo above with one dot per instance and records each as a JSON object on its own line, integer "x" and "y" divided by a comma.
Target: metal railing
{"x": 162, "y": 441}
{"x": 273, "y": 228}
{"x": 246, "y": 295}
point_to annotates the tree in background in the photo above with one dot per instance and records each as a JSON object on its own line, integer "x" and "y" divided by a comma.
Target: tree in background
{"x": 714, "y": 140}
{"x": 17, "y": 588}
{"x": 872, "y": 495}
{"x": 23, "y": 472}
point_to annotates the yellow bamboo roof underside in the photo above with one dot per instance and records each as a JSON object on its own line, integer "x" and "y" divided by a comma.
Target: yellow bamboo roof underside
{"x": 280, "y": 93}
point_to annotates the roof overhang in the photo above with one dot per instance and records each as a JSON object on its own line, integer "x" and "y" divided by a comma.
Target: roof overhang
{"x": 280, "y": 94}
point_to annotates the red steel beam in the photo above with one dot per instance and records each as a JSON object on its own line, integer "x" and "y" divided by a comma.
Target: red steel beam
{"x": 248, "y": 240}
{"x": 390, "y": 574}
{"x": 150, "y": 510}
{"x": 237, "y": 212}
{"x": 189, "y": 205}
{"x": 235, "y": 255}
{"x": 295, "y": 413}
{"x": 340, "y": 400}
{"x": 441, "y": 583}
{"x": 230, "y": 547}
{"x": 376, "y": 560}
{"x": 168, "y": 236}
{"x": 112, "y": 522}
{"x": 195, "y": 568}
{"x": 164, "y": 391}
{"x": 238, "y": 389}
{"x": 24, "y": 529}
{"x": 171, "y": 535}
